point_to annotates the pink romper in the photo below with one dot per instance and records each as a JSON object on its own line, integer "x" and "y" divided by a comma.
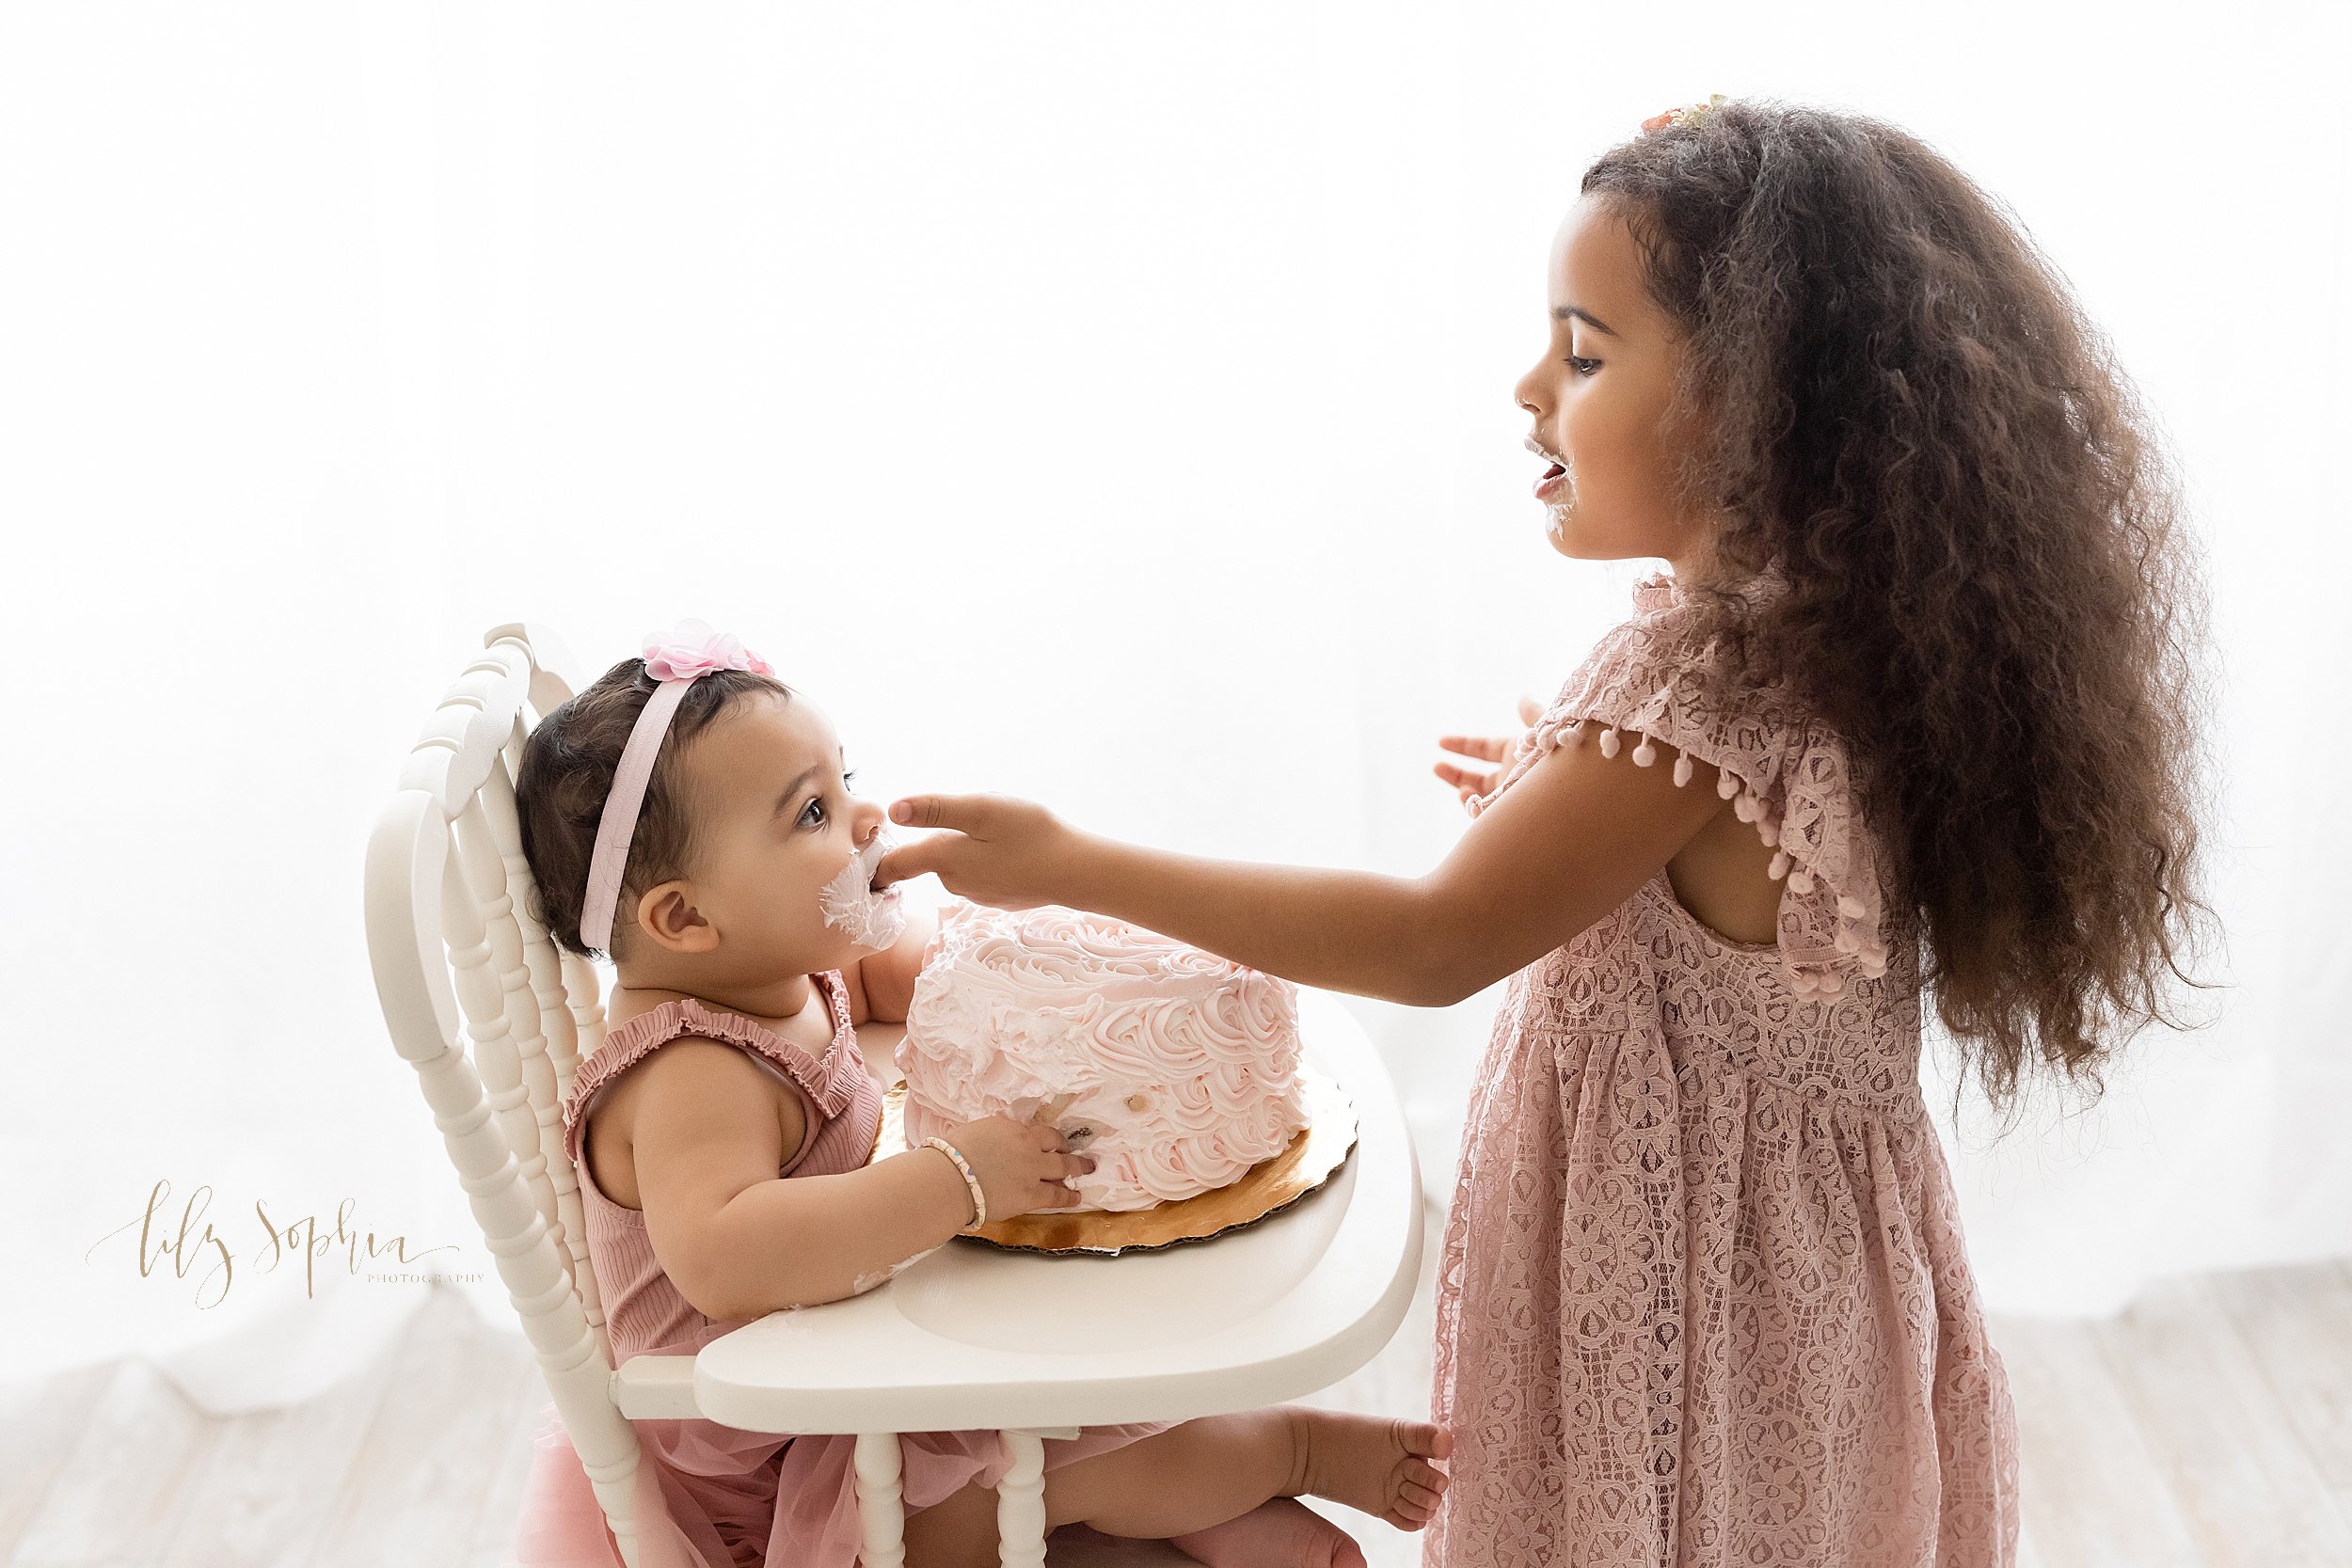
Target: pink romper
{"x": 710, "y": 1495}
{"x": 1703, "y": 1297}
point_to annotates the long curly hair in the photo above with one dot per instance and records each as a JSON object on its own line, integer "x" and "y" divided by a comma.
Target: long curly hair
{"x": 1901, "y": 409}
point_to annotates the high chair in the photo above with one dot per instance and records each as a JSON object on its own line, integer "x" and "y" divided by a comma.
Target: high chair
{"x": 969, "y": 1338}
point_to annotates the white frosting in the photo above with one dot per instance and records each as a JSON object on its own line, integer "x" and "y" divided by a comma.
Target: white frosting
{"x": 1179, "y": 1070}
{"x": 866, "y": 1282}
{"x": 850, "y": 902}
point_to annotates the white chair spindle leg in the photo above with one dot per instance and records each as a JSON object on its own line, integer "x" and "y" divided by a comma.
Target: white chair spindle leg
{"x": 882, "y": 1519}
{"x": 1021, "y": 1503}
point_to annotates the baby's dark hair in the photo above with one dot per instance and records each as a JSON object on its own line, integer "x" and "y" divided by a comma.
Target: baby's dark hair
{"x": 1896, "y": 403}
{"x": 566, "y": 773}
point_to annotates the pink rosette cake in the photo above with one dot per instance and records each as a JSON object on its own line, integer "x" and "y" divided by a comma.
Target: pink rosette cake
{"x": 1177, "y": 1070}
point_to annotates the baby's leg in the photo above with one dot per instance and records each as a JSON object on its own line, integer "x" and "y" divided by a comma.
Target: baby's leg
{"x": 1207, "y": 1472}
{"x": 1279, "y": 1531}
{"x": 1201, "y": 1473}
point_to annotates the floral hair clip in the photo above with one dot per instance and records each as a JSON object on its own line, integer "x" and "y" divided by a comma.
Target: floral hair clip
{"x": 1690, "y": 114}
{"x": 693, "y": 648}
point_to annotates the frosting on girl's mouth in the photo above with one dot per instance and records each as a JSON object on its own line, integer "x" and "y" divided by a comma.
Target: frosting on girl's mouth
{"x": 849, "y": 902}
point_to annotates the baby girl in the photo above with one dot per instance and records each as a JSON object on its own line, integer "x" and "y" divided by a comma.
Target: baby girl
{"x": 691, "y": 815}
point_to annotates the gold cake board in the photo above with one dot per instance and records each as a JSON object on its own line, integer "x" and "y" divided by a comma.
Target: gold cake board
{"x": 1268, "y": 1187}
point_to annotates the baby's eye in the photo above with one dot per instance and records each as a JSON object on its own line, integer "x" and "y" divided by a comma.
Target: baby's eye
{"x": 816, "y": 804}
{"x": 848, "y": 777}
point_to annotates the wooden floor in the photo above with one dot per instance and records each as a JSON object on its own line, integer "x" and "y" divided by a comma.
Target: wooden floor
{"x": 2211, "y": 1424}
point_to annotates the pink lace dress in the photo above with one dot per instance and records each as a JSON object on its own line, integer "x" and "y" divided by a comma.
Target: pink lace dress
{"x": 1703, "y": 1297}
{"x": 710, "y": 1495}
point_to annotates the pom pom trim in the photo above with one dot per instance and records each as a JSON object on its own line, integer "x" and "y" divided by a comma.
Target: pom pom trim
{"x": 1748, "y": 805}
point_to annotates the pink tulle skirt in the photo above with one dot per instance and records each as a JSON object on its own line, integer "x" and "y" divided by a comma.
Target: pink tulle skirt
{"x": 714, "y": 1496}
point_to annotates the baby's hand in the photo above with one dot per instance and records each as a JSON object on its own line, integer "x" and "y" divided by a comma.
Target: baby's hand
{"x": 1020, "y": 1164}
{"x": 1485, "y": 749}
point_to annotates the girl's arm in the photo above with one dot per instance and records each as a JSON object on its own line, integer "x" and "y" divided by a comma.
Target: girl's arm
{"x": 1565, "y": 845}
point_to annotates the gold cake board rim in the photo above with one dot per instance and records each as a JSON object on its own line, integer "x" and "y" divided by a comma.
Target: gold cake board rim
{"x": 1266, "y": 1189}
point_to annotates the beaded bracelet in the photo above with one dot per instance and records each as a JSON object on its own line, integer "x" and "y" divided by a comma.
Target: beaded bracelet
{"x": 980, "y": 1199}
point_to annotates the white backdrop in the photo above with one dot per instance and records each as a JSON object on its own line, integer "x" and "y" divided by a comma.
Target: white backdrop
{"x": 1106, "y": 404}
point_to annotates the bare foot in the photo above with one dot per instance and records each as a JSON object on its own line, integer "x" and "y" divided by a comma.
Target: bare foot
{"x": 1283, "y": 1533}
{"x": 1378, "y": 1464}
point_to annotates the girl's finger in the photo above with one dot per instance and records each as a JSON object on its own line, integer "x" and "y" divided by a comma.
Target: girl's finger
{"x": 1466, "y": 785}
{"x": 1485, "y": 748}
{"x": 1478, "y": 786}
{"x": 963, "y": 812}
{"x": 909, "y": 861}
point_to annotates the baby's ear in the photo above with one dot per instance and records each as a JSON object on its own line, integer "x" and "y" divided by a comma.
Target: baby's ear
{"x": 667, "y": 916}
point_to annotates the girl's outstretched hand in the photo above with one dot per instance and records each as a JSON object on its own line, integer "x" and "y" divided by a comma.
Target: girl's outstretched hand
{"x": 1503, "y": 754}
{"x": 994, "y": 849}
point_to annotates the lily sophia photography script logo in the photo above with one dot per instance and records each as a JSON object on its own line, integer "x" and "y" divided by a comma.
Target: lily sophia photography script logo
{"x": 195, "y": 1245}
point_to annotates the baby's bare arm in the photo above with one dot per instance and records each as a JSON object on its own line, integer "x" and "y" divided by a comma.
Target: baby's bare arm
{"x": 883, "y": 983}
{"x": 809, "y": 1239}
{"x": 738, "y": 1239}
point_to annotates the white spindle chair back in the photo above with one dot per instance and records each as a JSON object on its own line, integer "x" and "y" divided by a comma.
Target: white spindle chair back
{"x": 461, "y": 958}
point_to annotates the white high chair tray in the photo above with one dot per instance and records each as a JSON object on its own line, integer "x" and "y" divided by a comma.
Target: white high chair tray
{"x": 972, "y": 1336}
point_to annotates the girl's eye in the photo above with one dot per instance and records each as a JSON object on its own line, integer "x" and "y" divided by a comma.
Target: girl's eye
{"x": 1583, "y": 367}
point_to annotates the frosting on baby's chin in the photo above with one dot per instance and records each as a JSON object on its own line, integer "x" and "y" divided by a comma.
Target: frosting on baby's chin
{"x": 868, "y": 918}
{"x": 1180, "y": 1068}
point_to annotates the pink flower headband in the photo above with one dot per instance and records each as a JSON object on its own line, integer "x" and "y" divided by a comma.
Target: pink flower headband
{"x": 677, "y": 658}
